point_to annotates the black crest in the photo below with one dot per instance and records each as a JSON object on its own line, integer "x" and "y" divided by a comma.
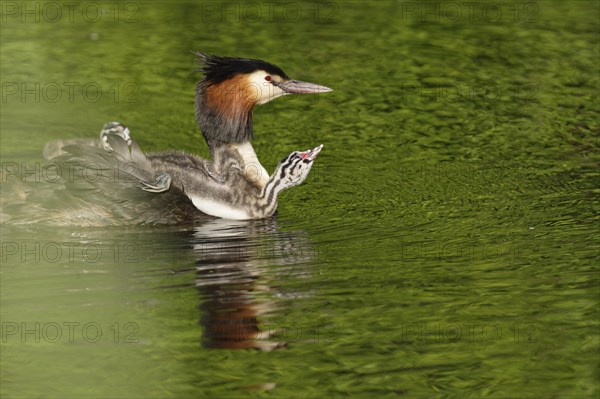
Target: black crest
{"x": 217, "y": 69}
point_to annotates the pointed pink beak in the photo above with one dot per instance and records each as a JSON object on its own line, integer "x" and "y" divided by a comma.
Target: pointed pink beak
{"x": 312, "y": 154}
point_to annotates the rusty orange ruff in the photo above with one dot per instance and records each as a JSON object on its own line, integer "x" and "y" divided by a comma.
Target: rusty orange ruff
{"x": 232, "y": 98}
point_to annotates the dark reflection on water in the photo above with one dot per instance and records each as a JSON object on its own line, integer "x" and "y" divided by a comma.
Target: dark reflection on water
{"x": 237, "y": 262}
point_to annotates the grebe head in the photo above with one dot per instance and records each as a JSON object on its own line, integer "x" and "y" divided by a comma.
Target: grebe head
{"x": 257, "y": 81}
{"x": 230, "y": 89}
{"x": 293, "y": 169}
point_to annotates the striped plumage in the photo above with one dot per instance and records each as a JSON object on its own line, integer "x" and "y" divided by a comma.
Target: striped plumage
{"x": 235, "y": 195}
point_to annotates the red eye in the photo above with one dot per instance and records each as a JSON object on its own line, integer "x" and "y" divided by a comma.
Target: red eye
{"x": 268, "y": 78}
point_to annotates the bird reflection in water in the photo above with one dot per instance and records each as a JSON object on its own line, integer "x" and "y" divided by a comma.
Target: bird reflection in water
{"x": 237, "y": 264}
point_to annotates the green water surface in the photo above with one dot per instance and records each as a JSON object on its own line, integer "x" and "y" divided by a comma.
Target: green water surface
{"x": 444, "y": 245}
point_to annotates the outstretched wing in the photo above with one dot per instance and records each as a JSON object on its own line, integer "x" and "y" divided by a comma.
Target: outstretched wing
{"x": 90, "y": 186}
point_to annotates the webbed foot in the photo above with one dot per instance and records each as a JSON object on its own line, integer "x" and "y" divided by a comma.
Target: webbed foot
{"x": 215, "y": 176}
{"x": 161, "y": 184}
{"x": 114, "y": 128}
{"x": 225, "y": 175}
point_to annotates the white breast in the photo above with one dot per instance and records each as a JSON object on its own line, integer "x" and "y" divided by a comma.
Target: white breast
{"x": 219, "y": 209}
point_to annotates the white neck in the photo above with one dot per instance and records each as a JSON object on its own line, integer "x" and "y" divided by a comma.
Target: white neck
{"x": 253, "y": 170}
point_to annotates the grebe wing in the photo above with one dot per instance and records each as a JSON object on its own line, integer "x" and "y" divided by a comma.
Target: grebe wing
{"x": 88, "y": 186}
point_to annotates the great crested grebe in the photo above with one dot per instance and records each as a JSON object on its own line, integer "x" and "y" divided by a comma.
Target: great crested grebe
{"x": 234, "y": 184}
{"x": 225, "y": 99}
{"x": 234, "y": 197}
